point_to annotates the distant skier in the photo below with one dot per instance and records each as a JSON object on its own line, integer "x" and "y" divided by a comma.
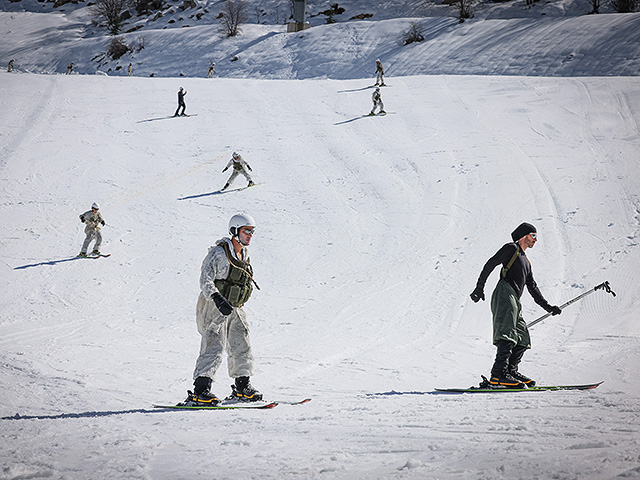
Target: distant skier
{"x": 510, "y": 333}
{"x": 92, "y": 219}
{"x": 226, "y": 283}
{"x": 377, "y": 102}
{"x": 181, "y": 93}
{"x": 10, "y": 66}
{"x": 379, "y": 74}
{"x": 239, "y": 167}
{"x": 70, "y": 68}
{"x": 212, "y": 69}
{"x": 130, "y": 70}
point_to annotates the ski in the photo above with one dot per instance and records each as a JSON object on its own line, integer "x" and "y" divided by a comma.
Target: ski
{"x": 243, "y": 406}
{"x": 294, "y": 402}
{"x": 540, "y": 388}
{"x": 93, "y": 255}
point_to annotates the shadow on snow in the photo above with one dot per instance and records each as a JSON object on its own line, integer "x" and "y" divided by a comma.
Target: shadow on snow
{"x": 93, "y": 414}
{"x": 52, "y": 262}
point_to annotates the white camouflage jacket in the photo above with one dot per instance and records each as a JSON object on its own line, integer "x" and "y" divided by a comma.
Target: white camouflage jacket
{"x": 215, "y": 266}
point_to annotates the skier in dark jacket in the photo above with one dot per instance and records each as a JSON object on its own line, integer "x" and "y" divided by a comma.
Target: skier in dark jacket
{"x": 181, "y": 104}
{"x": 510, "y": 333}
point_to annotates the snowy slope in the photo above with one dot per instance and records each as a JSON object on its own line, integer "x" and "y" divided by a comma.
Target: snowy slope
{"x": 372, "y": 232}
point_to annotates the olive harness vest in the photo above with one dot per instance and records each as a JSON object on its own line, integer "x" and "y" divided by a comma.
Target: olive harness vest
{"x": 503, "y": 272}
{"x": 238, "y": 285}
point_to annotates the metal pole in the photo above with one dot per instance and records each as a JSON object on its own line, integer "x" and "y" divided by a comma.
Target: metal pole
{"x": 604, "y": 285}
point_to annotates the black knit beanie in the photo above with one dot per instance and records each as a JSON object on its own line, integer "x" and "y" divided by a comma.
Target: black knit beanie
{"x": 522, "y": 230}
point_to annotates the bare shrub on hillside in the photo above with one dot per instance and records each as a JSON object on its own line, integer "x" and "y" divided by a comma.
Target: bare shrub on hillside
{"x": 117, "y": 48}
{"x": 595, "y": 6}
{"x": 110, "y": 11}
{"x": 233, "y": 14}
{"x": 465, "y": 9}
{"x": 413, "y": 34}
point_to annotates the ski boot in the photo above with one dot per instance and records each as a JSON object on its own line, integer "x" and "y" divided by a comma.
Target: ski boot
{"x": 204, "y": 399}
{"x": 82, "y": 254}
{"x": 382, "y": 112}
{"x": 96, "y": 252}
{"x": 251, "y": 184}
{"x": 522, "y": 378}
{"x": 505, "y": 380}
{"x": 243, "y": 390}
{"x": 371, "y": 114}
{"x": 201, "y": 395}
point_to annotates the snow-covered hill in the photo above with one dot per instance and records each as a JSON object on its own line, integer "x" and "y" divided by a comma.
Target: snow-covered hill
{"x": 371, "y": 234}
{"x": 509, "y": 38}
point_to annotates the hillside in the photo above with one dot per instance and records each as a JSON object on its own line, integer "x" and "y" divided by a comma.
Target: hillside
{"x": 507, "y": 38}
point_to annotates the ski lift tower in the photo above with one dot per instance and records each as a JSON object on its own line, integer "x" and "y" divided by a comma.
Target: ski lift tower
{"x": 299, "y": 14}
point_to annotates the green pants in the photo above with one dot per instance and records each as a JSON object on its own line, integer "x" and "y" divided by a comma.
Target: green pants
{"x": 508, "y": 323}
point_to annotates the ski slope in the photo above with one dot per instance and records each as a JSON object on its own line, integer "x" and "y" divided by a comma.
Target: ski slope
{"x": 371, "y": 234}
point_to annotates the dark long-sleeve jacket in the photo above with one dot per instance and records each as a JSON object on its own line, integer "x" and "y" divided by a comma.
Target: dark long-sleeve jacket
{"x": 519, "y": 274}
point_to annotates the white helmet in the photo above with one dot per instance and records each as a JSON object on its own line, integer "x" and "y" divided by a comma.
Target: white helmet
{"x": 238, "y": 221}
{"x": 235, "y": 155}
{"x": 96, "y": 206}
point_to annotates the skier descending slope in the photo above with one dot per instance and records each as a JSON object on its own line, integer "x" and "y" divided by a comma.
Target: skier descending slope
{"x": 226, "y": 283}
{"x": 377, "y": 101}
{"x": 239, "y": 167}
{"x": 92, "y": 219}
{"x": 510, "y": 333}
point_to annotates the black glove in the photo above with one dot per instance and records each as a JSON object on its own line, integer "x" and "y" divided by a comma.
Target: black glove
{"x": 103, "y": 224}
{"x": 224, "y": 169}
{"x": 222, "y": 304}
{"x": 249, "y": 167}
{"x": 477, "y": 294}
{"x": 555, "y": 310}
{"x": 82, "y": 218}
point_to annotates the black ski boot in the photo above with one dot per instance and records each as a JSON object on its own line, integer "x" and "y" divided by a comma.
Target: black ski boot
{"x": 243, "y": 390}
{"x": 201, "y": 395}
{"x": 514, "y": 361}
{"x": 500, "y": 376}
{"x": 505, "y": 380}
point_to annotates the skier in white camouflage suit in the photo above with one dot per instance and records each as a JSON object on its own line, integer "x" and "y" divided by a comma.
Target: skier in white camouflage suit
{"x": 92, "y": 219}
{"x": 239, "y": 167}
{"x": 377, "y": 101}
{"x": 226, "y": 282}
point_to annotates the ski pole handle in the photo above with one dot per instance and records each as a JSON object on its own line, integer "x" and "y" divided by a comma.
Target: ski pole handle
{"x": 603, "y": 285}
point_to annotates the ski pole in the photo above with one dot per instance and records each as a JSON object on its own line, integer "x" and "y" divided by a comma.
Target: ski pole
{"x": 604, "y": 285}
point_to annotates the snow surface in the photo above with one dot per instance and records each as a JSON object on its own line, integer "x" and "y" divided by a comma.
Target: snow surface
{"x": 371, "y": 234}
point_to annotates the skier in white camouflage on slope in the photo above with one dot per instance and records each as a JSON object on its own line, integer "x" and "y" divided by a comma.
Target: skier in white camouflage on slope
{"x": 377, "y": 102}
{"x": 239, "y": 167}
{"x": 226, "y": 282}
{"x": 92, "y": 219}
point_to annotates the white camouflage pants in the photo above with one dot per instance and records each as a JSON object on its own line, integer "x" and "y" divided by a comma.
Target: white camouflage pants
{"x": 379, "y": 78}
{"x": 92, "y": 234}
{"x": 238, "y": 172}
{"x": 222, "y": 334}
{"x": 377, "y": 104}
